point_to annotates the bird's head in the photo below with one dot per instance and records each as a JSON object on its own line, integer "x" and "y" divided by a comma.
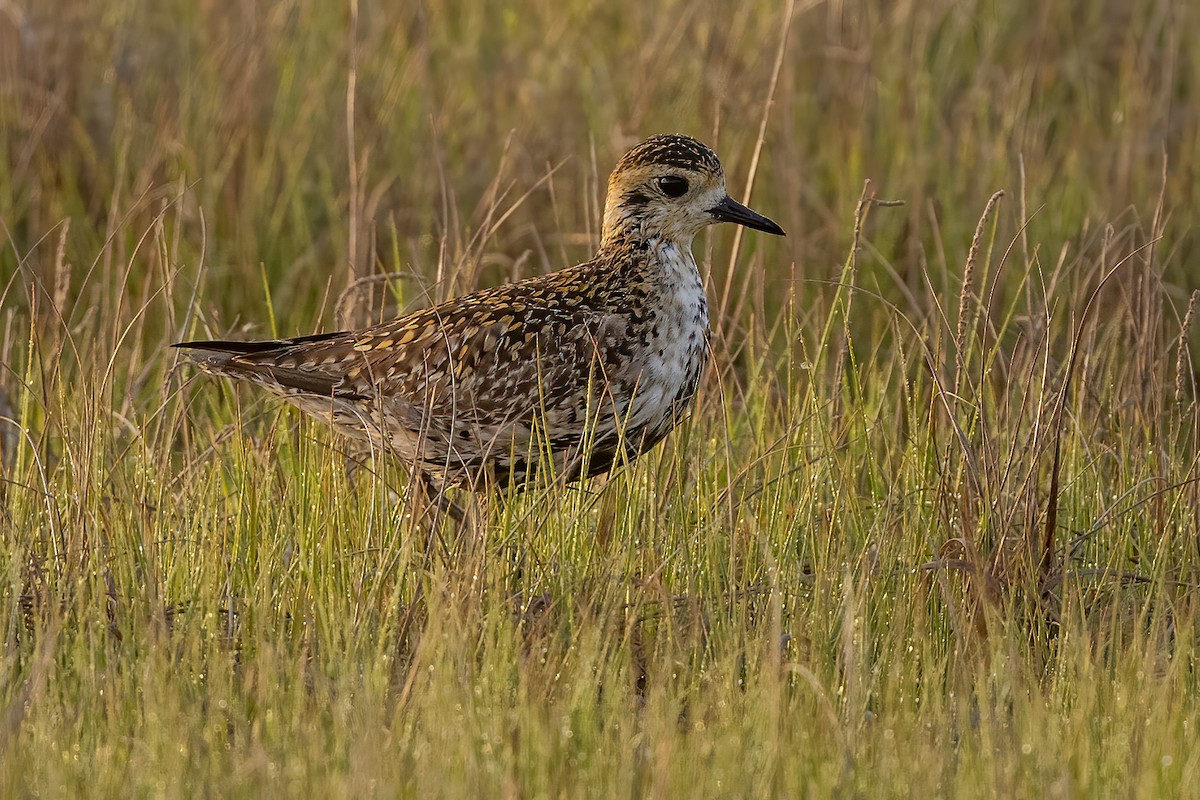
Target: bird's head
{"x": 672, "y": 186}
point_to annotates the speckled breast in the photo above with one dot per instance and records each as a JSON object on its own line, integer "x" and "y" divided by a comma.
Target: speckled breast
{"x": 676, "y": 348}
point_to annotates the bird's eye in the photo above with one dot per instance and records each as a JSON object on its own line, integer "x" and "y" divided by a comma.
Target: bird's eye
{"x": 673, "y": 185}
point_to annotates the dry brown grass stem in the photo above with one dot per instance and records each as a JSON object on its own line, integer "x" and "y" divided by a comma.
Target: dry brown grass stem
{"x": 780, "y": 52}
{"x": 354, "y": 270}
{"x": 1183, "y": 364}
{"x": 965, "y": 304}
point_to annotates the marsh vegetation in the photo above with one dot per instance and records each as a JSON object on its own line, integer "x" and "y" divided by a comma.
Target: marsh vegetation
{"x": 932, "y": 530}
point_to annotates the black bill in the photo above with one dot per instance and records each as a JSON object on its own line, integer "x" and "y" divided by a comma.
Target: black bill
{"x": 730, "y": 210}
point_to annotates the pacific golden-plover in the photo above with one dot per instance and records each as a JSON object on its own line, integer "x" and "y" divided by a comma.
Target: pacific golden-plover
{"x": 587, "y": 366}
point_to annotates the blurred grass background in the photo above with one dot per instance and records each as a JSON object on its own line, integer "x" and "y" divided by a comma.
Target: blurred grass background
{"x": 933, "y": 530}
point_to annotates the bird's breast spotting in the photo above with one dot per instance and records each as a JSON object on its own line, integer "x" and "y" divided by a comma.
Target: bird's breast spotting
{"x": 676, "y": 344}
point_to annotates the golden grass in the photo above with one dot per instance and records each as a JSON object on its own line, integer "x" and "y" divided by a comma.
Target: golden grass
{"x": 932, "y": 530}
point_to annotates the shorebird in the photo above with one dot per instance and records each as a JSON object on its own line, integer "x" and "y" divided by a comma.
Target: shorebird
{"x": 586, "y": 367}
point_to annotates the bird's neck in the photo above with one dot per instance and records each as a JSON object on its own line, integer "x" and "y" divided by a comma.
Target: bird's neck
{"x": 672, "y": 265}
{"x": 654, "y": 258}
{"x": 627, "y": 234}
{"x": 629, "y": 222}
{"x": 667, "y": 274}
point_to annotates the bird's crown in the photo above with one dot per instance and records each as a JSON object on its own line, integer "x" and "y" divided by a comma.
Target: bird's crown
{"x": 671, "y": 150}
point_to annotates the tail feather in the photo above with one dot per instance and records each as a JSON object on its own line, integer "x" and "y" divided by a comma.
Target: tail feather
{"x": 257, "y": 361}
{"x": 253, "y": 348}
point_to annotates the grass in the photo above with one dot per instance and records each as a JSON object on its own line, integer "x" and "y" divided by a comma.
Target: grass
{"x": 931, "y": 531}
